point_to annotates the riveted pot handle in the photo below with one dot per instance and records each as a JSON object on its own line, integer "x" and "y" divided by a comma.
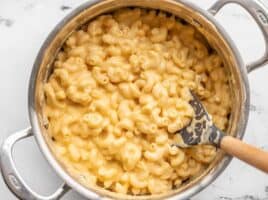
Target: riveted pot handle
{"x": 11, "y": 176}
{"x": 260, "y": 14}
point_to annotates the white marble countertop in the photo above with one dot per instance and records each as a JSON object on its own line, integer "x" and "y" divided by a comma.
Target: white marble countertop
{"x": 24, "y": 25}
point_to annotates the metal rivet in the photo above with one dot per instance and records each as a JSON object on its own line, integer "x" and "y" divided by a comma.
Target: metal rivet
{"x": 14, "y": 181}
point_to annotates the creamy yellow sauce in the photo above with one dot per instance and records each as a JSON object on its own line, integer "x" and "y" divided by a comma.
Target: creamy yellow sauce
{"x": 118, "y": 92}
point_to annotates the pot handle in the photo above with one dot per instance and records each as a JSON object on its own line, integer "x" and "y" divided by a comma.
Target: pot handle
{"x": 11, "y": 176}
{"x": 260, "y": 14}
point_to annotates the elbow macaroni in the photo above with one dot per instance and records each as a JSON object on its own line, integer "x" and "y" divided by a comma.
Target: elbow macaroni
{"x": 118, "y": 92}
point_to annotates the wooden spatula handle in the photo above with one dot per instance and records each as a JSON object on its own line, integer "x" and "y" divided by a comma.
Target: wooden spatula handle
{"x": 250, "y": 154}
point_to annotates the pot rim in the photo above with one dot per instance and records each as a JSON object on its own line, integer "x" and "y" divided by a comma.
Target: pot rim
{"x": 56, "y": 165}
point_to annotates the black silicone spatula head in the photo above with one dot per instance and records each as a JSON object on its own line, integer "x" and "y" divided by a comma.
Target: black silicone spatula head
{"x": 201, "y": 129}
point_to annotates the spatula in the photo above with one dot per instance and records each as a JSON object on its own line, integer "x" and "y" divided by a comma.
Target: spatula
{"x": 201, "y": 130}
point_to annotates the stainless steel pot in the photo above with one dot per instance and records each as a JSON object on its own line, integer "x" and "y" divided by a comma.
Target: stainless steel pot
{"x": 205, "y": 22}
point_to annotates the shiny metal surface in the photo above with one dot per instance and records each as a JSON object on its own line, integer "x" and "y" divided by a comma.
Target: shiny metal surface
{"x": 260, "y": 14}
{"x": 204, "y": 22}
{"x": 12, "y": 177}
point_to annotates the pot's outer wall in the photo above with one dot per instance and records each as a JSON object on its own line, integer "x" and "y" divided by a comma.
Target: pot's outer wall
{"x": 204, "y": 22}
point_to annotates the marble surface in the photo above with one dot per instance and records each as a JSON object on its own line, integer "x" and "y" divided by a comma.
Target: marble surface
{"x": 24, "y": 25}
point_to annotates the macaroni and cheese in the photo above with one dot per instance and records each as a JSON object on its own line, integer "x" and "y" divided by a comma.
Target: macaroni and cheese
{"x": 120, "y": 89}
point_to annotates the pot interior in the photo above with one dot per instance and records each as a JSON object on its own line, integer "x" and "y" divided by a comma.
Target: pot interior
{"x": 193, "y": 15}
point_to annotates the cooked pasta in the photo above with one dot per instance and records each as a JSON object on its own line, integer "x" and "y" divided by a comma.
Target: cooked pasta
{"x": 118, "y": 92}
